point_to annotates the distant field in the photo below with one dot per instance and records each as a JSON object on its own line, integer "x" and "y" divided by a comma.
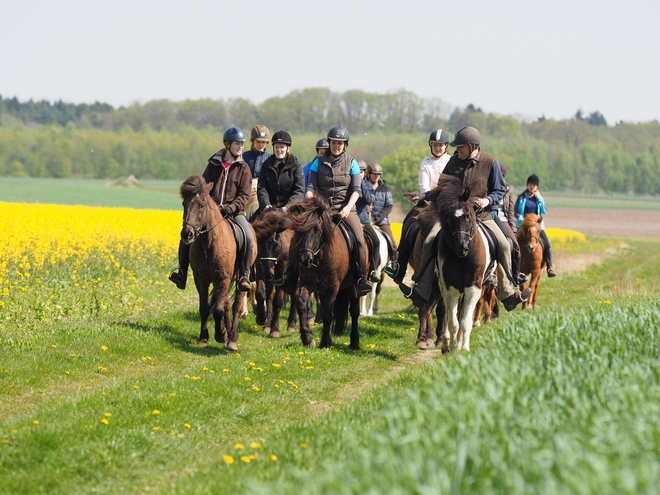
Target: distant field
{"x": 157, "y": 195}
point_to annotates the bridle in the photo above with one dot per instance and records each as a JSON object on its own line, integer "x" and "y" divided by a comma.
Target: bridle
{"x": 315, "y": 253}
{"x": 198, "y": 230}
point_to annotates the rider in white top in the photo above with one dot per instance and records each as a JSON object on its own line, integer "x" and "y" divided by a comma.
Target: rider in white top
{"x": 431, "y": 168}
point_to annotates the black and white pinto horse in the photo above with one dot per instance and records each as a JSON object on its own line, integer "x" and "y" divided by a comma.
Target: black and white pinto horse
{"x": 369, "y": 303}
{"x": 462, "y": 260}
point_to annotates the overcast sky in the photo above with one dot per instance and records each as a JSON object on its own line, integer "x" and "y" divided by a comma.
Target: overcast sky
{"x": 517, "y": 57}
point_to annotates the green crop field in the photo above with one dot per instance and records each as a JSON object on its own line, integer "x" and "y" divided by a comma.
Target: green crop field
{"x": 107, "y": 391}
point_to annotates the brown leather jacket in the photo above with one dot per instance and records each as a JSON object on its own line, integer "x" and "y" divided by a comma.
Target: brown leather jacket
{"x": 232, "y": 187}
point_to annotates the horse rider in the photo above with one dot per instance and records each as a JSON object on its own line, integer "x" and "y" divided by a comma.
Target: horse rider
{"x": 281, "y": 181}
{"x": 481, "y": 173}
{"x": 336, "y": 177}
{"x": 322, "y": 146}
{"x": 531, "y": 201}
{"x": 429, "y": 173}
{"x": 255, "y": 157}
{"x": 374, "y": 207}
{"x": 232, "y": 179}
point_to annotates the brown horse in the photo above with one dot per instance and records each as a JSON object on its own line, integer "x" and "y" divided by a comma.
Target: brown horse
{"x": 213, "y": 260}
{"x": 323, "y": 261}
{"x": 463, "y": 258}
{"x": 532, "y": 260}
{"x": 273, "y": 230}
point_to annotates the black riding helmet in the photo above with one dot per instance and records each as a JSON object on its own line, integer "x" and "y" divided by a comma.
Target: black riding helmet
{"x": 282, "y": 137}
{"x": 338, "y": 133}
{"x": 322, "y": 144}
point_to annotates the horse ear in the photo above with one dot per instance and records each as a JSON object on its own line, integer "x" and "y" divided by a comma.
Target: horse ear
{"x": 540, "y": 220}
{"x": 208, "y": 187}
{"x": 465, "y": 195}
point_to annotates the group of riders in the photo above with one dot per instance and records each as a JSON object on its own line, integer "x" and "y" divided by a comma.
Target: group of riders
{"x": 248, "y": 183}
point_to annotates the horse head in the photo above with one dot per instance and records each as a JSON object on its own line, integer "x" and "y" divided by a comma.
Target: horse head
{"x": 198, "y": 208}
{"x": 270, "y": 228}
{"x": 312, "y": 223}
{"x": 452, "y": 204}
{"x": 530, "y": 231}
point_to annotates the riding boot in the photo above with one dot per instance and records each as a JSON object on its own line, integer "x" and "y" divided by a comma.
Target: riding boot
{"x": 519, "y": 278}
{"x": 180, "y": 275}
{"x": 398, "y": 266}
{"x": 246, "y": 263}
{"x": 363, "y": 285}
{"x": 547, "y": 253}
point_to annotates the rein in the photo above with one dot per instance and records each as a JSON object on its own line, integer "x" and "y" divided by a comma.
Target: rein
{"x": 315, "y": 253}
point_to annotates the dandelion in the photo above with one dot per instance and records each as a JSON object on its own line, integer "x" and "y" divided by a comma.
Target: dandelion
{"x": 247, "y": 378}
{"x": 186, "y": 425}
{"x": 228, "y": 459}
{"x": 303, "y": 445}
{"x": 245, "y": 458}
{"x": 252, "y": 364}
{"x": 239, "y": 446}
{"x": 156, "y": 428}
{"x": 35, "y": 422}
{"x": 277, "y": 365}
{"x": 105, "y": 421}
{"x": 104, "y": 347}
{"x": 255, "y": 445}
{"x": 136, "y": 386}
{"x": 256, "y": 389}
{"x": 54, "y": 346}
{"x": 272, "y": 457}
{"x": 155, "y": 411}
{"x": 108, "y": 414}
{"x": 293, "y": 384}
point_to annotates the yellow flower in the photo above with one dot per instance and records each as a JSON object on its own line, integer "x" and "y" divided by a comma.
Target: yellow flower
{"x": 255, "y": 445}
{"x": 239, "y": 446}
{"x": 277, "y": 365}
{"x": 155, "y": 411}
{"x": 156, "y": 428}
{"x": 257, "y": 389}
{"x": 186, "y": 425}
{"x": 35, "y": 422}
{"x": 105, "y": 421}
{"x": 228, "y": 459}
{"x": 104, "y": 347}
{"x": 272, "y": 457}
{"x": 108, "y": 414}
{"x": 245, "y": 458}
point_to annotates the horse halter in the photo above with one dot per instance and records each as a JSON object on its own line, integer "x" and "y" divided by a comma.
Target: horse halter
{"x": 198, "y": 230}
{"x": 315, "y": 253}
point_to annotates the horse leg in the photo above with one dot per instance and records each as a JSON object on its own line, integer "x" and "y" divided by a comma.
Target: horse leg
{"x": 319, "y": 309}
{"x": 476, "y": 319}
{"x": 425, "y": 315}
{"x": 536, "y": 278}
{"x": 379, "y": 287}
{"x": 277, "y": 303}
{"x": 302, "y": 296}
{"x": 328, "y": 317}
{"x": 220, "y": 309}
{"x": 363, "y": 306}
{"x": 232, "y": 324}
{"x": 441, "y": 321}
{"x": 204, "y": 312}
{"x": 260, "y": 307}
{"x": 470, "y": 300}
{"x": 355, "y": 314}
{"x": 292, "y": 320}
{"x": 451, "y": 297}
{"x": 268, "y": 320}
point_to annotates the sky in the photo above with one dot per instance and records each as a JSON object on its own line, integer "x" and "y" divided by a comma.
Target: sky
{"x": 511, "y": 57}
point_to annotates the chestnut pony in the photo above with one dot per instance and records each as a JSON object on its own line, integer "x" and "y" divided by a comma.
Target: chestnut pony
{"x": 531, "y": 254}
{"x": 322, "y": 259}
{"x": 213, "y": 261}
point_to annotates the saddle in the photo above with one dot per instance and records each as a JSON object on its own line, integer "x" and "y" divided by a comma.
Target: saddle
{"x": 351, "y": 242}
{"x": 240, "y": 237}
{"x": 495, "y": 254}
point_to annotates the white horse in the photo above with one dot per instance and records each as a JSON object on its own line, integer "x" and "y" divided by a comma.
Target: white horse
{"x": 369, "y": 303}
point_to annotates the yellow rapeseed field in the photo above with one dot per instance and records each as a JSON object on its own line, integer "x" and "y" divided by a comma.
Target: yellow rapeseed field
{"x": 60, "y": 248}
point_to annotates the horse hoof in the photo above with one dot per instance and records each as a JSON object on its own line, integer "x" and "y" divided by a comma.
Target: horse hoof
{"x": 292, "y": 328}
{"x": 430, "y": 343}
{"x": 274, "y": 335}
{"x": 203, "y": 342}
{"x": 421, "y": 344}
{"x": 528, "y": 307}
{"x": 312, "y": 343}
{"x": 266, "y": 330}
{"x": 312, "y": 321}
{"x": 260, "y": 321}
{"x": 232, "y": 346}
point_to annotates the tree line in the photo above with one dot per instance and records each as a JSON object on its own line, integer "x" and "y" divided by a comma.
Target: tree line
{"x": 170, "y": 140}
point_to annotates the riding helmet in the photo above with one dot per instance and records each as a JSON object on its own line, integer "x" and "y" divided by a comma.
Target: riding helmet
{"x": 439, "y": 136}
{"x": 260, "y": 132}
{"x": 322, "y": 144}
{"x": 374, "y": 168}
{"x": 234, "y": 134}
{"x": 282, "y": 137}
{"x": 466, "y": 135}
{"x": 362, "y": 164}
{"x": 338, "y": 133}
{"x": 533, "y": 179}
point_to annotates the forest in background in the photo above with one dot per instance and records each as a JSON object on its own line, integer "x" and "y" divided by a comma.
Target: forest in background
{"x": 162, "y": 139}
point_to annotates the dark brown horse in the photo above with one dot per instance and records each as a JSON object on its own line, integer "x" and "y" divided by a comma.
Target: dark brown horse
{"x": 532, "y": 260}
{"x": 273, "y": 230}
{"x": 213, "y": 260}
{"x": 462, "y": 259}
{"x": 320, "y": 252}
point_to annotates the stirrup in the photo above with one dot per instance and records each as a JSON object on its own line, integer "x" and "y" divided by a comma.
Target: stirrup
{"x": 363, "y": 287}
{"x": 179, "y": 278}
{"x": 392, "y": 268}
{"x": 244, "y": 284}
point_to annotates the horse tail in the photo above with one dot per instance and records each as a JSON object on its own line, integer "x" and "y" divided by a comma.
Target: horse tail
{"x": 341, "y": 311}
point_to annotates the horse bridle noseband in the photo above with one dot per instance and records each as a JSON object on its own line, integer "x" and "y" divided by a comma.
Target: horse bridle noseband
{"x": 315, "y": 253}
{"x": 198, "y": 230}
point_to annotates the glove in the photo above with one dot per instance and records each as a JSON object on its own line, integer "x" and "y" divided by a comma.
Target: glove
{"x": 227, "y": 211}
{"x": 284, "y": 209}
{"x": 377, "y": 219}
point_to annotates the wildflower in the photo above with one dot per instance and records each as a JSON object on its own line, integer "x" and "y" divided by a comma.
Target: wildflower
{"x": 105, "y": 421}
{"x": 277, "y": 365}
{"x": 239, "y": 446}
{"x": 104, "y": 347}
{"x": 186, "y": 425}
{"x": 255, "y": 445}
{"x": 35, "y": 422}
{"x": 156, "y": 428}
{"x": 228, "y": 459}
{"x": 245, "y": 458}
{"x": 257, "y": 389}
{"x": 108, "y": 414}
{"x": 272, "y": 457}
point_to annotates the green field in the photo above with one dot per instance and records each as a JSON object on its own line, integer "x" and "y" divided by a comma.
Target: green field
{"x": 561, "y": 399}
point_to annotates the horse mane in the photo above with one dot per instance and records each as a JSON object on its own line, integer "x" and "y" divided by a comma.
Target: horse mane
{"x": 306, "y": 215}
{"x": 191, "y": 186}
{"x": 443, "y": 201}
{"x": 529, "y": 220}
{"x": 270, "y": 221}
